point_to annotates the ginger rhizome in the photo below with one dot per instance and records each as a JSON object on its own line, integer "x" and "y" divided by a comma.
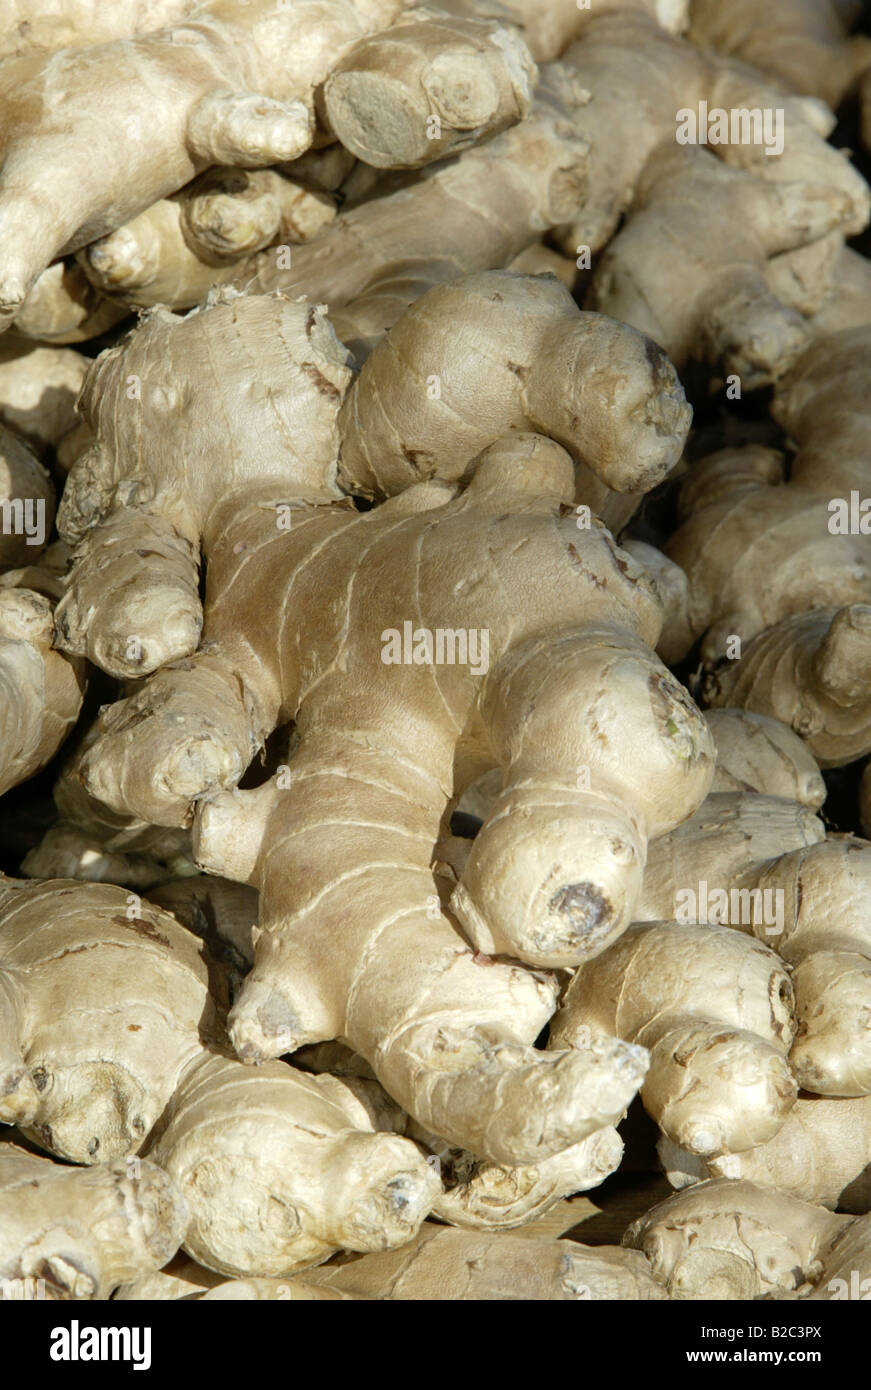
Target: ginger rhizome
{"x": 726, "y": 1239}
{"x": 464, "y": 1266}
{"x": 174, "y": 252}
{"x": 63, "y": 306}
{"x": 232, "y": 82}
{"x": 280, "y": 1169}
{"x": 805, "y": 44}
{"x": 428, "y": 87}
{"x": 759, "y": 754}
{"x": 602, "y": 390}
{"x": 27, "y": 502}
{"x": 715, "y": 1011}
{"x": 820, "y": 1154}
{"x": 478, "y": 1193}
{"x": 78, "y": 1233}
{"x": 38, "y": 391}
{"x": 794, "y": 647}
{"x": 554, "y": 874}
{"x": 729, "y": 317}
{"x": 90, "y": 1084}
{"x": 599, "y": 115}
{"x": 41, "y": 690}
{"x": 763, "y": 867}
{"x": 226, "y": 92}
{"x": 145, "y": 1044}
{"x": 54, "y": 24}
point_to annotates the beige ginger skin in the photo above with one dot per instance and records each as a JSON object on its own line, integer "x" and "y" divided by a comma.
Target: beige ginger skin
{"x": 761, "y": 850}
{"x": 803, "y": 43}
{"x": 217, "y": 708}
{"x": 54, "y": 24}
{"x": 734, "y": 1239}
{"x": 84, "y": 1231}
{"x": 465, "y": 1266}
{"x": 715, "y": 1011}
{"x": 175, "y": 251}
{"x": 506, "y": 888}
{"x": 233, "y": 83}
{"x": 597, "y": 117}
{"x": 601, "y": 389}
{"x": 804, "y": 655}
{"x": 732, "y": 319}
{"x": 278, "y": 1169}
{"x": 38, "y": 390}
{"x": 41, "y": 690}
{"x": 90, "y": 1085}
{"x": 820, "y": 1154}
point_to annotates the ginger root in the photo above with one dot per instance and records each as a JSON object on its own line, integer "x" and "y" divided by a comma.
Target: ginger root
{"x": 461, "y": 1266}
{"x": 806, "y": 901}
{"x": 89, "y": 1085}
{"x": 554, "y": 873}
{"x": 729, "y": 318}
{"x": 138, "y": 519}
{"x": 756, "y": 753}
{"x": 176, "y": 250}
{"x": 63, "y": 306}
{"x": 26, "y": 502}
{"x": 280, "y": 1169}
{"x": 428, "y": 87}
{"x": 38, "y": 390}
{"x": 733, "y": 1239}
{"x": 716, "y": 1013}
{"x": 51, "y": 24}
{"x": 41, "y": 690}
{"x": 820, "y": 1155}
{"x": 143, "y": 1048}
{"x": 74, "y": 1233}
{"x": 234, "y": 84}
{"x": 805, "y": 44}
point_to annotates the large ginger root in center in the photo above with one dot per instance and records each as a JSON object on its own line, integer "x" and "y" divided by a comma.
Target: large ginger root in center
{"x": 341, "y": 848}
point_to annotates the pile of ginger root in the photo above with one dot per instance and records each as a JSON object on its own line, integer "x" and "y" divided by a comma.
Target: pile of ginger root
{"x": 435, "y": 650}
